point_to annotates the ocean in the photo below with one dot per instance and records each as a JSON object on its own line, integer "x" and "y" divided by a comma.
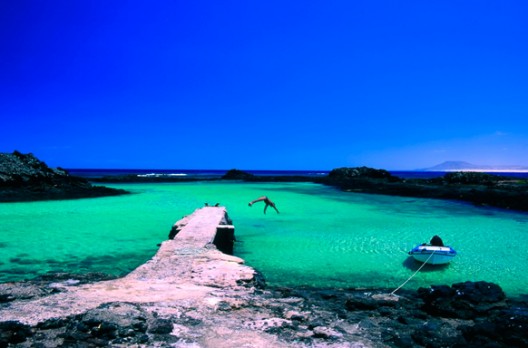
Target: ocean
{"x": 217, "y": 173}
{"x": 322, "y": 237}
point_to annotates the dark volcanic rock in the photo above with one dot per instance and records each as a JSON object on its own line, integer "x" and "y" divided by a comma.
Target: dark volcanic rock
{"x": 472, "y": 178}
{"x": 509, "y": 326}
{"x": 109, "y": 324}
{"x": 343, "y": 174}
{"x": 13, "y": 332}
{"x": 477, "y": 188}
{"x": 303, "y": 317}
{"x": 236, "y": 174}
{"x": 360, "y": 178}
{"x": 19, "y": 168}
{"x": 25, "y": 178}
{"x": 467, "y": 300}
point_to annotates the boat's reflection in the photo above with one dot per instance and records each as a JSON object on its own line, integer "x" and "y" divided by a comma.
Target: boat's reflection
{"x": 413, "y": 265}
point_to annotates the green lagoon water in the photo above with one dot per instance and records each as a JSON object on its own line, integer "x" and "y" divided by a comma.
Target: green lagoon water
{"x": 323, "y": 237}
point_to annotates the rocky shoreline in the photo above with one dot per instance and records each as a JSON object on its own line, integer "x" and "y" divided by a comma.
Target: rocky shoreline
{"x": 24, "y": 178}
{"x": 471, "y": 314}
{"x": 477, "y": 188}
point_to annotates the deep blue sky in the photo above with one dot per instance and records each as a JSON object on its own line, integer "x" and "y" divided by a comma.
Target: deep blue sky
{"x": 264, "y": 84}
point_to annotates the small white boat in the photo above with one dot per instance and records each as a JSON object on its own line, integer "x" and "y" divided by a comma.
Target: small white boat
{"x": 433, "y": 255}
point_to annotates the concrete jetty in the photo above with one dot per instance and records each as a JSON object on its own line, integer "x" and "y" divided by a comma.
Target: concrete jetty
{"x": 187, "y": 269}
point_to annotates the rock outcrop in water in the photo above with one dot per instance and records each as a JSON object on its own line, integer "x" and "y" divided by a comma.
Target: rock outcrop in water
{"x": 23, "y": 177}
{"x": 357, "y": 173}
{"x": 477, "y": 188}
{"x": 237, "y": 174}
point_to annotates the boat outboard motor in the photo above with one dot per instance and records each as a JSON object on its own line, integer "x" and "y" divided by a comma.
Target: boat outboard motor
{"x": 436, "y": 241}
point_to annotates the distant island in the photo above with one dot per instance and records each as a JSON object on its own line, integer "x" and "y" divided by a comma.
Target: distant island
{"x": 461, "y": 166}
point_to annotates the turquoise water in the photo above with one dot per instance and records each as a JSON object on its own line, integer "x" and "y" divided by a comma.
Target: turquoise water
{"x": 323, "y": 237}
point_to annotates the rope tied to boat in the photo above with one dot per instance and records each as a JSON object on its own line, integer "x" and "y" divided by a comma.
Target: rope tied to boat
{"x": 415, "y": 273}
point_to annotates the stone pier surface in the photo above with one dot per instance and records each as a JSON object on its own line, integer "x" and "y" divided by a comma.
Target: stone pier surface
{"x": 189, "y": 295}
{"x": 186, "y": 268}
{"x": 188, "y": 280}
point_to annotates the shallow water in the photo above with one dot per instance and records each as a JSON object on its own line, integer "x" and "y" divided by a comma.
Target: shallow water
{"x": 323, "y": 237}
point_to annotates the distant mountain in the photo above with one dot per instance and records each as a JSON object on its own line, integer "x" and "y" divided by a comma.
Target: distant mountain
{"x": 461, "y": 166}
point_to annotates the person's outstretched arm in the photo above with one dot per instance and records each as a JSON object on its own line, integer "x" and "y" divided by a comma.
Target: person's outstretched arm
{"x": 263, "y": 198}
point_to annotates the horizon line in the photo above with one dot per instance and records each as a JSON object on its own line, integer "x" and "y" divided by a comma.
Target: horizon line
{"x": 478, "y": 170}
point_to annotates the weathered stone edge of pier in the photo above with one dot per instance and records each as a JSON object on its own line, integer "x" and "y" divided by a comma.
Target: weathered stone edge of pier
{"x": 188, "y": 267}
